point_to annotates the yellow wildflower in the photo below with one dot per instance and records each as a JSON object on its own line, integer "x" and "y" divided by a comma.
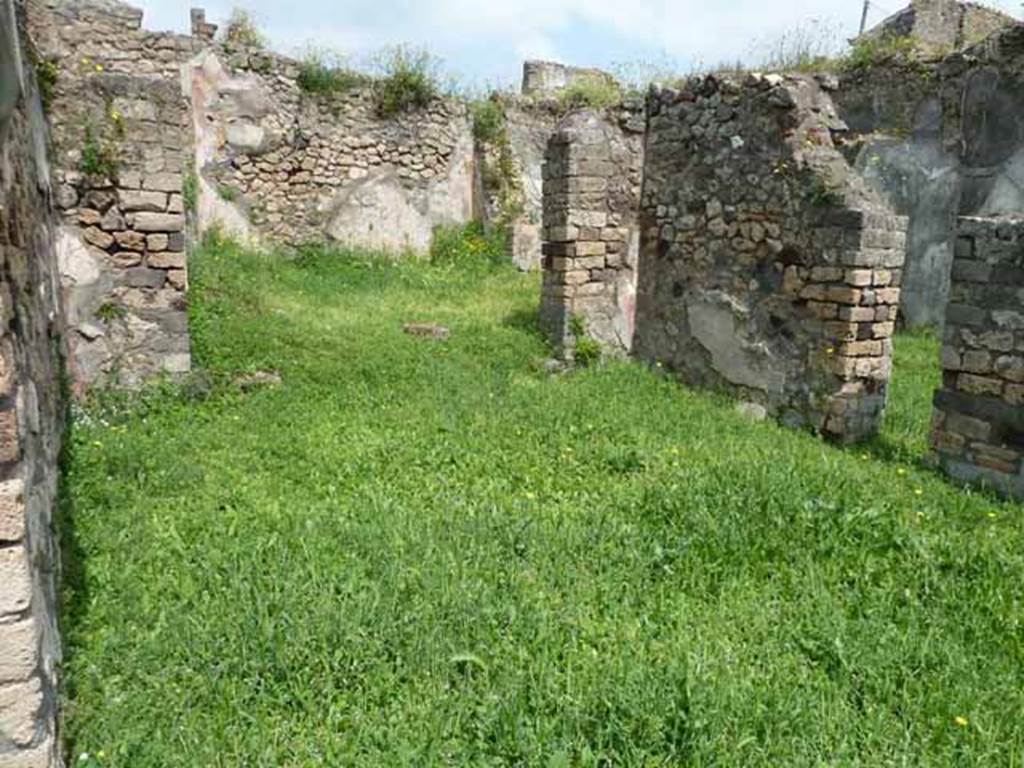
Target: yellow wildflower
{"x": 919, "y": 491}
{"x": 961, "y": 721}
{"x": 99, "y": 67}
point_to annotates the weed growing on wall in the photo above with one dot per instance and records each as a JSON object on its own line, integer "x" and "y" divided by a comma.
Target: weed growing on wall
{"x": 488, "y": 121}
{"x": 592, "y": 91}
{"x": 324, "y": 73}
{"x": 823, "y": 193}
{"x": 809, "y": 47}
{"x": 110, "y": 311}
{"x": 227, "y": 193}
{"x": 872, "y": 51}
{"x": 408, "y": 79}
{"x": 47, "y": 75}
{"x": 241, "y": 31}
{"x": 99, "y": 154}
{"x": 501, "y": 177}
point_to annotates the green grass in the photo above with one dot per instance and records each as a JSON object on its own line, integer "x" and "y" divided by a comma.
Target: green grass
{"x": 420, "y": 553}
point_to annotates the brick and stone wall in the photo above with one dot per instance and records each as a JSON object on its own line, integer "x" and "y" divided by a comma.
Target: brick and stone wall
{"x": 285, "y": 166}
{"x": 768, "y": 269}
{"x": 31, "y": 415}
{"x": 978, "y": 430}
{"x": 121, "y": 144}
{"x": 893, "y": 111}
{"x": 940, "y": 139}
{"x": 592, "y": 178}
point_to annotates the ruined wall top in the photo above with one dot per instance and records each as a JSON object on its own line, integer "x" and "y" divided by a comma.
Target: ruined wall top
{"x": 941, "y": 25}
{"x": 545, "y": 77}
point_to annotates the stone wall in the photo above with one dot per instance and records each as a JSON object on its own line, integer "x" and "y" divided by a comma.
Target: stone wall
{"x": 548, "y": 77}
{"x": 767, "y": 268}
{"x": 592, "y": 179}
{"x": 983, "y": 113}
{"x": 894, "y": 114}
{"x": 942, "y": 25}
{"x": 120, "y": 125}
{"x": 31, "y": 415}
{"x": 940, "y": 139}
{"x": 978, "y": 430}
{"x": 285, "y": 166}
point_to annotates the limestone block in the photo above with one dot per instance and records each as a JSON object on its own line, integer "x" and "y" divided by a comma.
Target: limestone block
{"x": 143, "y": 277}
{"x": 246, "y": 137}
{"x": 167, "y": 260}
{"x": 16, "y": 589}
{"x": 163, "y": 182}
{"x": 135, "y": 200}
{"x": 97, "y": 237}
{"x": 131, "y": 241}
{"x": 156, "y": 242}
{"x": 12, "y": 510}
{"x": 19, "y": 650}
{"x": 20, "y": 705}
{"x": 10, "y": 441}
{"x": 158, "y": 222}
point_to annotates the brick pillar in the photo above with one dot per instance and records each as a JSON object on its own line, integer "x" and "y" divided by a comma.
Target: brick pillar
{"x": 200, "y": 28}
{"x": 591, "y": 199}
{"x": 858, "y": 300}
{"x": 978, "y": 427}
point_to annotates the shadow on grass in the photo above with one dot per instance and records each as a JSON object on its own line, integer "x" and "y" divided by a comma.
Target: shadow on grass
{"x": 74, "y": 598}
{"x": 526, "y": 320}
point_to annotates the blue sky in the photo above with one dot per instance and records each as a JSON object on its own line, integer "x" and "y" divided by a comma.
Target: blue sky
{"x": 485, "y": 41}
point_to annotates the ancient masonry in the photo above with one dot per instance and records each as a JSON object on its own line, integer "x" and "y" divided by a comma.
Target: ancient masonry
{"x": 591, "y": 196}
{"x": 736, "y": 231}
{"x": 941, "y": 25}
{"x": 940, "y": 138}
{"x": 119, "y": 123}
{"x": 978, "y": 431}
{"x": 281, "y": 165}
{"x": 31, "y": 414}
{"x": 768, "y": 269}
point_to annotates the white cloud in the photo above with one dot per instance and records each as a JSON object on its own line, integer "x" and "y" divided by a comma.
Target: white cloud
{"x": 537, "y": 46}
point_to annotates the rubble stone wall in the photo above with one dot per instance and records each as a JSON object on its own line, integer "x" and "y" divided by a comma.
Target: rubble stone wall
{"x": 978, "y": 430}
{"x": 121, "y": 143}
{"x": 290, "y": 167}
{"x": 592, "y": 179}
{"x": 31, "y": 414}
{"x": 768, "y": 269}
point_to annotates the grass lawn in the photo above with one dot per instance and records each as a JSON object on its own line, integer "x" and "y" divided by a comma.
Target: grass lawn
{"x": 419, "y": 553}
